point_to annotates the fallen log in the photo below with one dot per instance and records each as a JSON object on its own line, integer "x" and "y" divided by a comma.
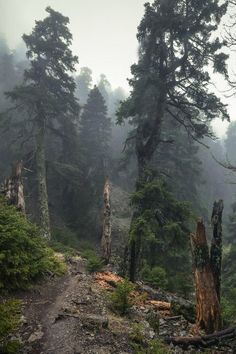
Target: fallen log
{"x": 205, "y": 340}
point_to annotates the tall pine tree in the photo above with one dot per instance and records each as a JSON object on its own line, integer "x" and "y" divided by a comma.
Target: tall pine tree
{"x": 47, "y": 94}
{"x": 176, "y": 47}
{"x": 94, "y": 136}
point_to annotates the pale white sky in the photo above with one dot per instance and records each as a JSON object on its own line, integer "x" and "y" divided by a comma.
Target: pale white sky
{"x": 104, "y": 33}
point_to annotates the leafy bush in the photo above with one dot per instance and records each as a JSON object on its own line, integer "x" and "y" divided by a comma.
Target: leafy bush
{"x": 156, "y": 276}
{"x": 94, "y": 263}
{"x": 24, "y": 255}
{"x": 9, "y": 322}
{"x": 120, "y": 299}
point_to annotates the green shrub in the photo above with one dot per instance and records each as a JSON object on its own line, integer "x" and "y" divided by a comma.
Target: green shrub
{"x": 65, "y": 238}
{"x": 228, "y": 305}
{"x": 181, "y": 284}
{"x": 153, "y": 347}
{"x": 156, "y": 276}
{"x": 137, "y": 334}
{"x": 24, "y": 255}
{"x": 120, "y": 299}
{"x": 94, "y": 263}
{"x": 9, "y": 321}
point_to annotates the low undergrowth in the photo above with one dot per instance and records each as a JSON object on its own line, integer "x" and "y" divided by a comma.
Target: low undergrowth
{"x": 24, "y": 255}
{"x": 94, "y": 262}
{"x": 120, "y": 299}
{"x": 10, "y": 313}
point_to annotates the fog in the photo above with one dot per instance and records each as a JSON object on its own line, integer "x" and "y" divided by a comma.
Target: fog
{"x": 104, "y": 37}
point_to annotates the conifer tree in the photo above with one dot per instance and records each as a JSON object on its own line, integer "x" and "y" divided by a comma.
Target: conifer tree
{"x": 171, "y": 76}
{"x": 94, "y": 136}
{"x": 83, "y": 84}
{"x": 47, "y": 94}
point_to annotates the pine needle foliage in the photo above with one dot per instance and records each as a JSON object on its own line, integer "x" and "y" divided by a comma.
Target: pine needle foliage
{"x": 24, "y": 255}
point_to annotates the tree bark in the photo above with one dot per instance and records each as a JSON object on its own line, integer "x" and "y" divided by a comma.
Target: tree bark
{"x": 207, "y": 303}
{"x": 216, "y": 244}
{"x": 13, "y": 188}
{"x": 106, "y": 234}
{"x": 203, "y": 341}
{"x": 42, "y": 182}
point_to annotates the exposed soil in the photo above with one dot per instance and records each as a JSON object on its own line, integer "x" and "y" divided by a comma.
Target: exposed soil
{"x": 69, "y": 315}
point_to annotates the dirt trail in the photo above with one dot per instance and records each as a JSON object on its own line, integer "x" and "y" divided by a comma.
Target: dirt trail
{"x": 69, "y": 316}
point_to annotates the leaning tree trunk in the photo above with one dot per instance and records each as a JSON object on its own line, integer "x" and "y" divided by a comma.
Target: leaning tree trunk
{"x": 13, "y": 188}
{"x": 106, "y": 233}
{"x": 42, "y": 183}
{"x": 207, "y": 303}
{"x": 216, "y": 244}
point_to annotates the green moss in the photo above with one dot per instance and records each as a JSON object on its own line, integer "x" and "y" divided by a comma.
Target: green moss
{"x": 10, "y": 313}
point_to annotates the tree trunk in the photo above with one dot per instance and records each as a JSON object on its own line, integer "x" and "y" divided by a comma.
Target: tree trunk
{"x": 207, "y": 303}
{"x": 42, "y": 183}
{"x": 216, "y": 244}
{"x": 13, "y": 188}
{"x": 106, "y": 234}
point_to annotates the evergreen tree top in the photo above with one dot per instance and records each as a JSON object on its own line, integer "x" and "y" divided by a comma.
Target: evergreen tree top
{"x": 47, "y": 82}
{"x": 177, "y": 46}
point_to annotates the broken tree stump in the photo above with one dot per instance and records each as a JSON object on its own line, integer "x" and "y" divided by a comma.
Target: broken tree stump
{"x": 13, "y": 189}
{"x": 106, "y": 232}
{"x": 207, "y": 303}
{"x": 216, "y": 244}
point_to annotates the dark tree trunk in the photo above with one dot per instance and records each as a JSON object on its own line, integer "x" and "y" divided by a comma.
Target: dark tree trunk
{"x": 106, "y": 234}
{"x": 207, "y": 303}
{"x": 13, "y": 188}
{"x": 216, "y": 244}
{"x": 42, "y": 182}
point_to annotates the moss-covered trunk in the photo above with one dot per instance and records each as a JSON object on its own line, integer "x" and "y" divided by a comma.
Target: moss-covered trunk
{"x": 42, "y": 182}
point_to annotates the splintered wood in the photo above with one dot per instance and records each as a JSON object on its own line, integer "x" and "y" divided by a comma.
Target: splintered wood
{"x": 109, "y": 281}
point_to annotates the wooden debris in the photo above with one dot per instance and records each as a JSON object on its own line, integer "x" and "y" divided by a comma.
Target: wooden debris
{"x": 205, "y": 340}
{"x": 108, "y": 280}
{"x": 160, "y": 305}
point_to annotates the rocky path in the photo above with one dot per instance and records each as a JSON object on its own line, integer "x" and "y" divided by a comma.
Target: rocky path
{"x": 69, "y": 315}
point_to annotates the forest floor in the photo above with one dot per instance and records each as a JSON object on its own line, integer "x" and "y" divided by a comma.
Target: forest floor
{"x": 72, "y": 315}
{"x": 69, "y": 315}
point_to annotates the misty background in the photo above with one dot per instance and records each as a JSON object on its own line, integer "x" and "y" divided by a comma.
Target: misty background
{"x": 104, "y": 38}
